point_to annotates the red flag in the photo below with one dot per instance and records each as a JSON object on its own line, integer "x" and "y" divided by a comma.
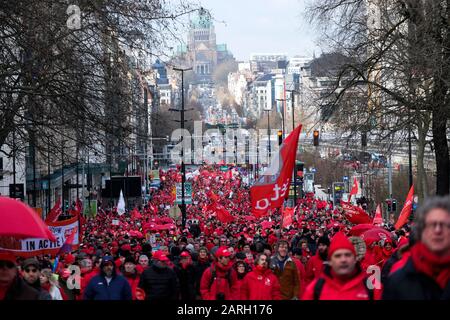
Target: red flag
{"x": 55, "y": 212}
{"x": 378, "y": 219}
{"x": 354, "y": 189}
{"x": 288, "y": 216}
{"x": 228, "y": 175}
{"x": 135, "y": 214}
{"x": 222, "y": 214}
{"x": 272, "y": 187}
{"x": 213, "y": 196}
{"x": 355, "y": 215}
{"x": 406, "y": 211}
{"x": 79, "y": 206}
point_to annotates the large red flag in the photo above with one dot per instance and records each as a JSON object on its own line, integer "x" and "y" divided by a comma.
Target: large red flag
{"x": 406, "y": 211}
{"x": 55, "y": 212}
{"x": 354, "y": 189}
{"x": 378, "y": 219}
{"x": 272, "y": 187}
{"x": 354, "y": 214}
{"x": 288, "y": 217}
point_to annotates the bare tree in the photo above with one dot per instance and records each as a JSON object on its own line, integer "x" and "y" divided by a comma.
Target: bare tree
{"x": 398, "y": 75}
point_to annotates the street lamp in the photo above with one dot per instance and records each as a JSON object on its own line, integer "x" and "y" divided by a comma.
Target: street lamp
{"x": 183, "y": 169}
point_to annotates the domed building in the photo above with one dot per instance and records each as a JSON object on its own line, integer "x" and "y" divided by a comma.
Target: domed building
{"x": 202, "y": 52}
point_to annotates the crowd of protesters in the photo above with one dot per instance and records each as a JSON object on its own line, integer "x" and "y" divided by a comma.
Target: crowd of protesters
{"x": 146, "y": 254}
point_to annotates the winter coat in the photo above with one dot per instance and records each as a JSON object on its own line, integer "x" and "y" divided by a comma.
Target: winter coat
{"x": 20, "y": 290}
{"x": 333, "y": 289}
{"x": 186, "y": 278}
{"x": 259, "y": 285}
{"x": 288, "y": 278}
{"x": 199, "y": 268}
{"x": 159, "y": 283}
{"x": 409, "y": 284}
{"x": 211, "y": 287}
{"x": 301, "y": 276}
{"x": 314, "y": 268}
{"x": 133, "y": 281}
{"x": 99, "y": 289}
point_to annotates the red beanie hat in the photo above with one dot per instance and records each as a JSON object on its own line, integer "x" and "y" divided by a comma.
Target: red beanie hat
{"x": 340, "y": 241}
{"x": 69, "y": 259}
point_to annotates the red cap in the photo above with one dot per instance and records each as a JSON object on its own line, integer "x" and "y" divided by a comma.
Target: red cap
{"x": 126, "y": 247}
{"x": 7, "y": 256}
{"x": 223, "y": 252}
{"x": 340, "y": 241}
{"x": 160, "y": 255}
{"x": 69, "y": 259}
{"x": 185, "y": 254}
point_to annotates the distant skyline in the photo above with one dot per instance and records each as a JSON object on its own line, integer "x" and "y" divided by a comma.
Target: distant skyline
{"x": 262, "y": 26}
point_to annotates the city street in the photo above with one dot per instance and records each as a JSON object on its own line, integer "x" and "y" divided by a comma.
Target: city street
{"x": 182, "y": 151}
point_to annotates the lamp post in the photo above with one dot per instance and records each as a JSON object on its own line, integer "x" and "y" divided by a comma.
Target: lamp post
{"x": 183, "y": 168}
{"x": 268, "y": 133}
{"x": 293, "y": 127}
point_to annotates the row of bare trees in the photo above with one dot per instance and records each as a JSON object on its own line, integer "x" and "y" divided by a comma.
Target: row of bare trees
{"x": 397, "y": 77}
{"x": 69, "y": 70}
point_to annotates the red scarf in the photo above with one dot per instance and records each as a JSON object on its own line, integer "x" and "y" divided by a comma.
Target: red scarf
{"x": 430, "y": 264}
{"x": 46, "y": 286}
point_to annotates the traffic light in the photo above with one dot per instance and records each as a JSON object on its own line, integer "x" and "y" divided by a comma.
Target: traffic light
{"x": 364, "y": 139}
{"x": 299, "y": 166}
{"x": 316, "y": 137}
{"x": 394, "y": 205}
{"x": 389, "y": 205}
{"x": 280, "y": 137}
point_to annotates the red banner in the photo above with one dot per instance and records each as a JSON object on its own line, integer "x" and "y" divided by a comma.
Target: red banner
{"x": 33, "y": 247}
{"x": 378, "y": 219}
{"x": 406, "y": 211}
{"x": 288, "y": 217}
{"x": 272, "y": 187}
{"x": 354, "y": 214}
{"x": 354, "y": 189}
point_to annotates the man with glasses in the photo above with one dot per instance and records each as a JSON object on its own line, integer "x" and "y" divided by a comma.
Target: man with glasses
{"x": 426, "y": 275}
{"x": 12, "y": 286}
{"x": 31, "y": 272}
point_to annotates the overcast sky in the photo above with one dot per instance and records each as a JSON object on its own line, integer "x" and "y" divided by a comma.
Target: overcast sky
{"x": 262, "y": 26}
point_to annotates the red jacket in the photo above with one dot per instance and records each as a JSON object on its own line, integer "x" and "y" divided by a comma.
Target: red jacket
{"x": 261, "y": 286}
{"x": 219, "y": 284}
{"x": 333, "y": 289}
{"x": 314, "y": 268}
{"x": 134, "y": 282}
{"x": 85, "y": 279}
{"x": 400, "y": 263}
{"x": 301, "y": 276}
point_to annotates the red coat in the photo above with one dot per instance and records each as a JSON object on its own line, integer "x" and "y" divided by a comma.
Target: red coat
{"x": 134, "y": 282}
{"x": 333, "y": 289}
{"x": 261, "y": 286}
{"x": 314, "y": 268}
{"x": 219, "y": 284}
{"x": 301, "y": 276}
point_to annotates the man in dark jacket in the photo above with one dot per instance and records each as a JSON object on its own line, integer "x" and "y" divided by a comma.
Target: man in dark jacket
{"x": 108, "y": 285}
{"x": 31, "y": 274}
{"x": 159, "y": 281}
{"x": 13, "y": 287}
{"x": 186, "y": 276}
{"x": 200, "y": 266}
{"x": 426, "y": 275}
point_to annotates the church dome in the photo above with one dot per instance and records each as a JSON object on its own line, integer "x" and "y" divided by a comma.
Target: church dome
{"x": 202, "y": 20}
